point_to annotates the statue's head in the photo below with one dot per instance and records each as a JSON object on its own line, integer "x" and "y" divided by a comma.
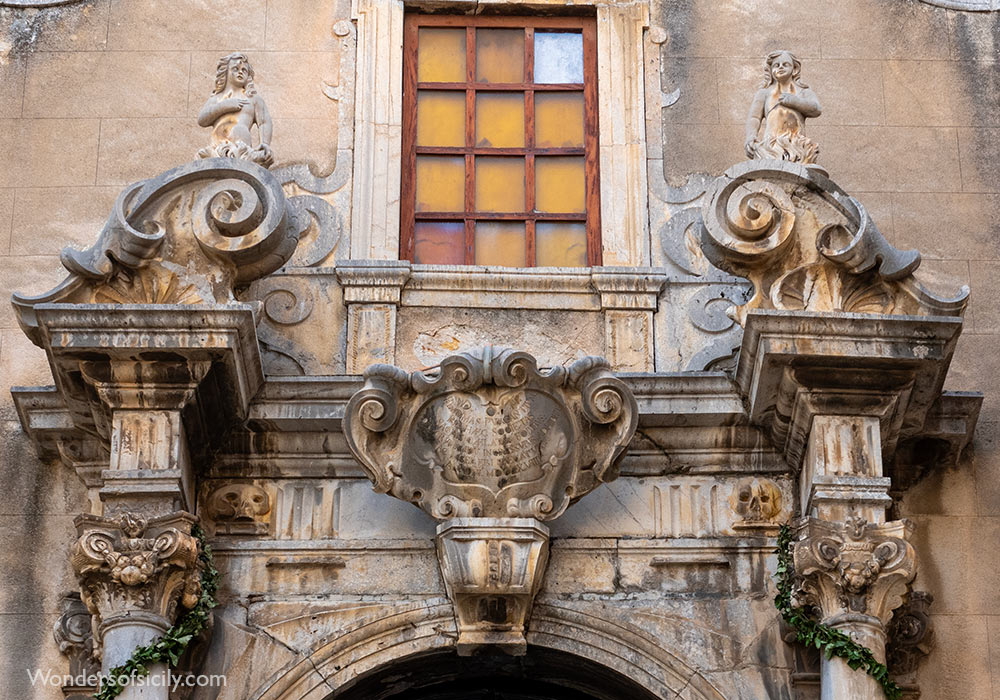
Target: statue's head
{"x": 782, "y": 65}
{"x": 234, "y": 70}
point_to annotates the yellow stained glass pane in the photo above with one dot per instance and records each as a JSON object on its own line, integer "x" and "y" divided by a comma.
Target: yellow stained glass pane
{"x": 440, "y": 118}
{"x": 500, "y": 55}
{"x": 440, "y": 183}
{"x": 559, "y": 119}
{"x": 500, "y": 119}
{"x": 439, "y": 242}
{"x": 560, "y": 244}
{"x": 500, "y": 243}
{"x": 499, "y": 184}
{"x": 559, "y": 184}
{"x": 440, "y": 55}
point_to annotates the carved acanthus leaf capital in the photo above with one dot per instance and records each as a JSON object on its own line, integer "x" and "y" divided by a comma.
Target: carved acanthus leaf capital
{"x": 854, "y": 567}
{"x": 129, "y": 566}
{"x": 491, "y": 435}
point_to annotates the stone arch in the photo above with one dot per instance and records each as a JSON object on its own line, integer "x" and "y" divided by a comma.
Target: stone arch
{"x": 374, "y": 645}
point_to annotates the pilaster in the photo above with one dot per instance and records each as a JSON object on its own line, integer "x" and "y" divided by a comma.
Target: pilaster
{"x": 372, "y": 291}
{"x": 629, "y": 297}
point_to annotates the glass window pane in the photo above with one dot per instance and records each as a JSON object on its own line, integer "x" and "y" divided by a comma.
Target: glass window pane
{"x": 440, "y": 183}
{"x": 439, "y": 242}
{"x": 500, "y": 119}
{"x": 559, "y": 119}
{"x": 559, "y": 184}
{"x": 560, "y": 244}
{"x": 499, "y": 184}
{"x": 441, "y": 118}
{"x": 500, "y": 55}
{"x": 500, "y": 243}
{"x": 558, "y": 57}
{"x": 440, "y": 55}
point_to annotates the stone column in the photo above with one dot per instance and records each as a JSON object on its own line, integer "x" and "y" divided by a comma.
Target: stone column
{"x": 855, "y": 573}
{"x": 133, "y": 574}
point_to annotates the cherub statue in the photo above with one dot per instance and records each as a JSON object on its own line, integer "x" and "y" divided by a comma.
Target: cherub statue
{"x": 234, "y": 107}
{"x": 782, "y": 104}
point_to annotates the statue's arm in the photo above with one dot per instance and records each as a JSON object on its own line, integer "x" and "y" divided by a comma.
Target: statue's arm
{"x": 754, "y": 116}
{"x": 215, "y": 108}
{"x": 805, "y": 103}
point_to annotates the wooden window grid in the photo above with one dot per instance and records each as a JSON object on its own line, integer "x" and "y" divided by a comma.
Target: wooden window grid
{"x": 409, "y": 215}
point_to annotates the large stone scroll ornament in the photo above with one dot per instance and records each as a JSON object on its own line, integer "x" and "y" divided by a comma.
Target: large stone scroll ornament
{"x": 188, "y": 236}
{"x": 806, "y": 245}
{"x": 491, "y": 435}
{"x": 491, "y": 445}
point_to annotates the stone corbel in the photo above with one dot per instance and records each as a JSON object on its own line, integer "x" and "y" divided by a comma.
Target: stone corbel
{"x": 135, "y": 575}
{"x": 372, "y": 292}
{"x": 629, "y": 297}
{"x": 74, "y": 635}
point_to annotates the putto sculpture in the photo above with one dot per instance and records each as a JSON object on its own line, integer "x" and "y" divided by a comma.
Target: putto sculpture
{"x": 779, "y": 111}
{"x": 232, "y": 110}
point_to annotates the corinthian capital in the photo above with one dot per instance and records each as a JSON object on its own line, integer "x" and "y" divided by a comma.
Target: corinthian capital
{"x": 129, "y": 567}
{"x": 854, "y": 566}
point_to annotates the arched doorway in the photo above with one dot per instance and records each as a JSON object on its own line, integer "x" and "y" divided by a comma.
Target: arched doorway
{"x": 543, "y": 674}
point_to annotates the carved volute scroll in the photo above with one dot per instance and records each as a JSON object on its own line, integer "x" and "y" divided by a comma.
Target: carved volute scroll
{"x": 806, "y": 245}
{"x": 187, "y": 236}
{"x": 490, "y": 435}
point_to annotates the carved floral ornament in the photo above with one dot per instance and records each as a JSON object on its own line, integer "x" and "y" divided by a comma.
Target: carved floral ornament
{"x": 806, "y": 245}
{"x": 132, "y": 566}
{"x": 490, "y": 435}
{"x": 854, "y": 567}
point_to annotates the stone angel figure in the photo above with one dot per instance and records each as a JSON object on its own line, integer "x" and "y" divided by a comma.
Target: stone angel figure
{"x": 779, "y": 110}
{"x": 232, "y": 110}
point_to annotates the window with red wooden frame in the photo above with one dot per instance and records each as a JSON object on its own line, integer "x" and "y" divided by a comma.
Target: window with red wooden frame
{"x": 500, "y": 150}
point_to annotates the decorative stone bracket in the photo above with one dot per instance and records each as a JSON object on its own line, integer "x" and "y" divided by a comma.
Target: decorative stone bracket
{"x": 491, "y": 445}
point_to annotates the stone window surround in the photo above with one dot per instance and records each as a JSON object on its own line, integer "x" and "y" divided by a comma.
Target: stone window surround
{"x": 621, "y": 113}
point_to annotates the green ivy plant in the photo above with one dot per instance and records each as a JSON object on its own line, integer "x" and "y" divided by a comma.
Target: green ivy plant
{"x": 808, "y": 631}
{"x": 171, "y": 646}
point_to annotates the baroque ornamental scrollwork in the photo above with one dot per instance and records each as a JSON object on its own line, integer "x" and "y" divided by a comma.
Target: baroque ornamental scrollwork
{"x": 491, "y": 435}
{"x": 854, "y": 567}
{"x": 131, "y": 566}
{"x": 806, "y": 245}
{"x": 188, "y": 236}
{"x": 491, "y": 445}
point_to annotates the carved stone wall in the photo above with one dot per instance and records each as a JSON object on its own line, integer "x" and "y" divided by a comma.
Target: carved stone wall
{"x": 95, "y": 95}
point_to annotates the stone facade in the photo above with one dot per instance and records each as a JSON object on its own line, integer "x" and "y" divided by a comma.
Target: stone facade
{"x": 230, "y": 340}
